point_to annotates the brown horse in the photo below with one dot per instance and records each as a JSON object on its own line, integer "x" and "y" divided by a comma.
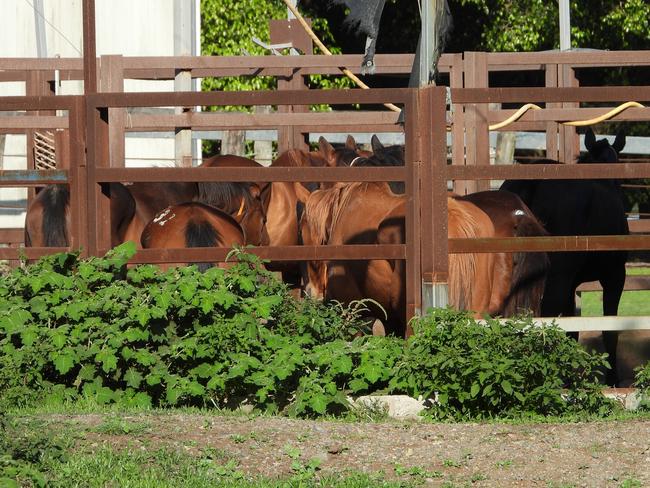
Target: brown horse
{"x": 368, "y": 213}
{"x": 470, "y": 274}
{"x": 47, "y": 222}
{"x": 194, "y": 224}
{"x": 518, "y": 280}
{"x": 350, "y": 214}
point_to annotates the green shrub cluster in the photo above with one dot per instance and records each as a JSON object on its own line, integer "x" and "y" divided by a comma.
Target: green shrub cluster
{"x": 136, "y": 336}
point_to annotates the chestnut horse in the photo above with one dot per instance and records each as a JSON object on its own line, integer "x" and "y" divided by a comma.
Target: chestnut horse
{"x": 352, "y": 214}
{"x": 194, "y": 224}
{"x": 518, "y": 280}
{"x": 47, "y": 222}
{"x": 470, "y": 274}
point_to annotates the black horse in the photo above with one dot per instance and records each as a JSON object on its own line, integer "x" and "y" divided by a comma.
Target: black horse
{"x": 582, "y": 207}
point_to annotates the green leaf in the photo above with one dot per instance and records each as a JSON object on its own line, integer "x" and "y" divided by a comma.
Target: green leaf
{"x": 15, "y": 319}
{"x": 108, "y": 359}
{"x": 133, "y": 378}
{"x": 29, "y": 336}
{"x": 63, "y": 361}
{"x": 318, "y": 403}
{"x": 357, "y": 384}
{"x": 507, "y": 387}
{"x": 475, "y": 389}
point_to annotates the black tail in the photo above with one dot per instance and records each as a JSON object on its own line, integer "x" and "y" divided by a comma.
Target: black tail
{"x": 201, "y": 234}
{"x": 56, "y": 199}
{"x": 529, "y": 270}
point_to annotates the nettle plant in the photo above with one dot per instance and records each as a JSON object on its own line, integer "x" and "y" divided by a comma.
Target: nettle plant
{"x": 141, "y": 337}
{"x": 94, "y": 328}
{"x": 469, "y": 370}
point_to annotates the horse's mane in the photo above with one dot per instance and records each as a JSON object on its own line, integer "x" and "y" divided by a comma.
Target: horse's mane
{"x": 462, "y": 267}
{"x": 224, "y": 195}
{"x": 325, "y": 207}
{"x": 296, "y": 158}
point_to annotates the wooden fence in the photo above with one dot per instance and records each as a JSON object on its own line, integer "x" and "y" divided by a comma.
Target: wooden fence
{"x": 91, "y": 123}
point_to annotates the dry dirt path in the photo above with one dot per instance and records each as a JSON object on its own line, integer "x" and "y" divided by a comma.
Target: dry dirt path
{"x": 595, "y": 454}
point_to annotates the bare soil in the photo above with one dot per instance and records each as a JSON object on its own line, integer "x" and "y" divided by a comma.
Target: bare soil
{"x": 595, "y": 454}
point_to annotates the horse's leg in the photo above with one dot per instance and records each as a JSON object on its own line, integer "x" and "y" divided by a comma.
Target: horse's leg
{"x": 613, "y": 283}
{"x": 559, "y": 297}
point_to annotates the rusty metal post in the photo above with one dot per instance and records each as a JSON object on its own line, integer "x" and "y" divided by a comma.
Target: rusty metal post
{"x": 434, "y": 260}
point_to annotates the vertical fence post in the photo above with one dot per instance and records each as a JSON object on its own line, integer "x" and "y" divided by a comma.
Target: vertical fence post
{"x": 413, "y": 163}
{"x": 552, "y": 128}
{"x": 433, "y": 190}
{"x": 36, "y": 85}
{"x": 569, "y": 141}
{"x": 98, "y": 220}
{"x": 282, "y": 31}
{"x": 183, "y": 44}
{"x": 78, "y": 176}
{"x": 477, "y": 144}
{"x": 111, "y": 69}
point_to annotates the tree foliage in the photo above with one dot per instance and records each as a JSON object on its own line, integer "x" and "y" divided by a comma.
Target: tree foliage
{"x": 228, "y": 28}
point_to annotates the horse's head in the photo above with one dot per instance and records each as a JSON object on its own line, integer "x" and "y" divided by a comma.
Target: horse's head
{"x": 600, "y": 151}
{"x": 251, "y": 216}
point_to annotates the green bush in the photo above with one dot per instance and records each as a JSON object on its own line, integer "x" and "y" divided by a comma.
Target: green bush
{"x": 95, "y": 329}
{"x": 642, "y": 382}
{"x": 471, "y": 370}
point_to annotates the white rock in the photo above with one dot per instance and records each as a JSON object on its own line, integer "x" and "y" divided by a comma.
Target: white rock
{"x": 396, "y": 406}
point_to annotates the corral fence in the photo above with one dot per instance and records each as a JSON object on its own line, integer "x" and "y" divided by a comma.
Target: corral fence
{"x": 89, "y": 123}
{"x": 90, "y": 131}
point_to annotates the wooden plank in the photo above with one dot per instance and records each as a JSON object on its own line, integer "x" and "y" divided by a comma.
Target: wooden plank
{"x": 27, "y": 177}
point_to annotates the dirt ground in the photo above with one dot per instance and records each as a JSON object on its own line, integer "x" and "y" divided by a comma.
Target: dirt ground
{"x": 597, "y": 454}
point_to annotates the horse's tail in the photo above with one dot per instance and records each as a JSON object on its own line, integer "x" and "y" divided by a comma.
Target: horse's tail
{"x": 201, "y": 234}
{"x": 529, "y": 271}
{"x": 56, "y": 199}
{"x": 462, "y": 267}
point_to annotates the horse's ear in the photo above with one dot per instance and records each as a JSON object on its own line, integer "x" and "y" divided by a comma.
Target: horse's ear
{"x": 590, "y": 139}
{"x": 350, "y": 143}
{"x": 376, "y": 144}
{"x": 325, "y": 147}
{"x": 302, "y": 193}
{"x": 254, "y": 190}
{"x": 619, "y": 142}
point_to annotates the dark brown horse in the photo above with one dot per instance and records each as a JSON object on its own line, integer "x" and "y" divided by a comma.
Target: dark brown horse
{"x": 47, "y": 222}
{"x": 194, "y": 224}
{"x": 582, "y": 207}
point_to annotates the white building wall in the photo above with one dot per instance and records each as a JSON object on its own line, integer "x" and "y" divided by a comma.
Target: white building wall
{"x": 126, "y": 27}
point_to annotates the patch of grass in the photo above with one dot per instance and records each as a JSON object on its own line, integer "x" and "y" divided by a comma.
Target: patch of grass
{"x": 120, "y": 426}
{"x": 632, "y": 303}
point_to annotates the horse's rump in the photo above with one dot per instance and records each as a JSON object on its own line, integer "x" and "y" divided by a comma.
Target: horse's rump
{"x": 55, "y": 206}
